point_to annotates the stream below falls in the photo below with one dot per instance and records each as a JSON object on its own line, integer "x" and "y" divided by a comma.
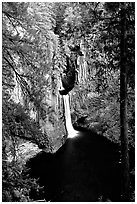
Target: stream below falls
{"x": 85, "y": 169}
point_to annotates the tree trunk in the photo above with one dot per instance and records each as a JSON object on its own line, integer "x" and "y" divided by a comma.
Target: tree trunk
{"x": 123, "y": 109}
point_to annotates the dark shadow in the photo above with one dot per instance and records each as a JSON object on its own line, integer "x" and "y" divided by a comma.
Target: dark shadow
{"x": 85, "y": 168}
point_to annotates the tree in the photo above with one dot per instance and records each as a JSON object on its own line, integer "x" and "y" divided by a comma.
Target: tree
{"x": 123, "y": 107}
{"x": 37, "y": 37}
{"x": 111, "y": 51}
{"x": 25, "y": 64}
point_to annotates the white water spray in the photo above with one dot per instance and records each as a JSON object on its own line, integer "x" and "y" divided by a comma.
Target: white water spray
{"x": 71, "y": 132}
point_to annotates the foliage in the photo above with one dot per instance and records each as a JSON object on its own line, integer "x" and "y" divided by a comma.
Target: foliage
{"x": 103, "y": 57}
{"x": 17, "y": 127}
{"x": 36, "y": 37}
{"x": 27, "y": 49}
{"x": 16, "y": 187}
{"x": 26, "y": 59}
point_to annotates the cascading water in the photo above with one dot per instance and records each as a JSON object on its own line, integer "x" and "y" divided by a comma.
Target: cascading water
{"x": 85, "y": 168}
{"x": 70, "y": 130}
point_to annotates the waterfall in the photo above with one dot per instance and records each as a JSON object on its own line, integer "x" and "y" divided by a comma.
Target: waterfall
{"x": 71, "y": 132}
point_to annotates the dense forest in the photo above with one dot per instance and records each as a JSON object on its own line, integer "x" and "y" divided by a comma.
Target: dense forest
{"x": 42, "y": 43}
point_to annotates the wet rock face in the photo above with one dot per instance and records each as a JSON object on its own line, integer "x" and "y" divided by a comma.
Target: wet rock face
{"x": 68, "y": 81}
{"x": 65, "y": 91}
{"x": 85, "y": 168}
{"x": 69, "y": 76}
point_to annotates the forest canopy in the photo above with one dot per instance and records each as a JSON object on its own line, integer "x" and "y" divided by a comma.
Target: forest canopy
{"x": 37, "y": 38}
